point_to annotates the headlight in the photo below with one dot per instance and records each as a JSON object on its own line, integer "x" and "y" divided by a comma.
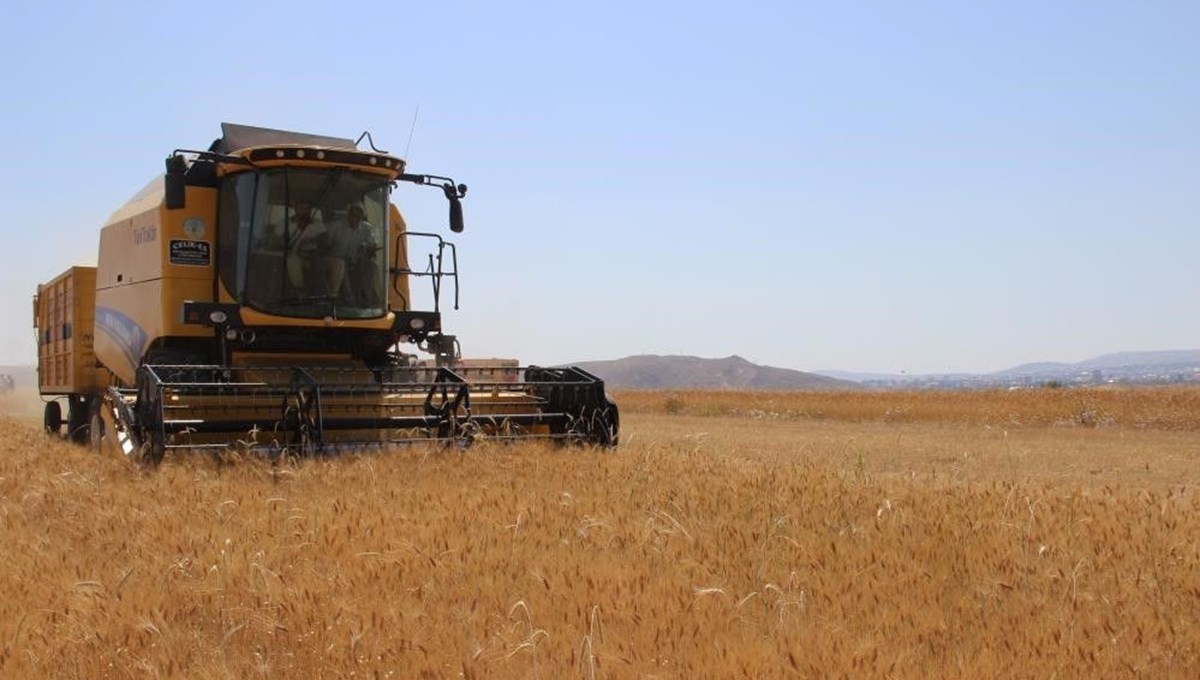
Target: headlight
{"x": 217, "y": 316}
{"x": 416, "y": 324}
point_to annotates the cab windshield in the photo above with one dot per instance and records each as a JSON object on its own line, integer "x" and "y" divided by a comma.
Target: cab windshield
{"x": 305, "y": 242}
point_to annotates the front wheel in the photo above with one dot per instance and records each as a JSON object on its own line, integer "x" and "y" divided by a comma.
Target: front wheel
{"x": 96, "y": 431}
{"x": 78, "y": 415}
{"x": 610, "y": 431}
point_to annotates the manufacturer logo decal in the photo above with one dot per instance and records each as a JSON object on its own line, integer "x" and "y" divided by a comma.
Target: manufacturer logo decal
{"x": 125, "y": 332}
{"x": 145, "y": 235}
{"x": 191, "y": 253}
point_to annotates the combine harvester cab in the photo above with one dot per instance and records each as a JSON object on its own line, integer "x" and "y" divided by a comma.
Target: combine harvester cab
{"x": 258, "y": 297}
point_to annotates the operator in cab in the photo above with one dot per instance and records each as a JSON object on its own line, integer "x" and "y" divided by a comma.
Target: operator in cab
{"x": 353, "y": 275}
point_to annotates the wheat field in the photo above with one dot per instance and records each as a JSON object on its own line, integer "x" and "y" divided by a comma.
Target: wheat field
{"x": 1029, "y": 534}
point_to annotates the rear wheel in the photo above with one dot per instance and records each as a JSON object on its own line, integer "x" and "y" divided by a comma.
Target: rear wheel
{"x": 52, "y": 418}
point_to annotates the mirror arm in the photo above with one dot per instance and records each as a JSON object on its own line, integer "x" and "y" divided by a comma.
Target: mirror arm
{"x": 454, "y": 194}
{"x": 447, "y": 184}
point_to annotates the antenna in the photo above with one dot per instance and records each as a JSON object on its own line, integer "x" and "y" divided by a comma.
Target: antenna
{"x": 410, "y": 132}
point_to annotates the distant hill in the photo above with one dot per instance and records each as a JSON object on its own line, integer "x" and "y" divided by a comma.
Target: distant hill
{"x": 1122, "y": 360}
{"x": 1125, "y": 361}
{"x": 650, "y": 371}
{"x": 1175, "y": 357}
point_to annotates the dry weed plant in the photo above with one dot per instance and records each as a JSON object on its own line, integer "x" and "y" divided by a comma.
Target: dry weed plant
{"x": 699, "y": 549}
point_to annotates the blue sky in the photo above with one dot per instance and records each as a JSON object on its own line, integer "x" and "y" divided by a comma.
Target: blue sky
{"x": 926, "y": 187}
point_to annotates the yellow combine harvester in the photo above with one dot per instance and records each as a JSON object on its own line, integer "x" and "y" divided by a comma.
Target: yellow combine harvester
{"x": 258, "y": 296}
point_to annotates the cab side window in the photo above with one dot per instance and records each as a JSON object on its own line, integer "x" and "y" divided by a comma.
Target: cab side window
{"x": 235, "y": 212}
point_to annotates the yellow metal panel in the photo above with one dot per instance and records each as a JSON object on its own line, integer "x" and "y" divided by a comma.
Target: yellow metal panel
{"x": 398, "y": 291}
{"x": 129, "y": 318}
{"x": 129, "y": 251}
{"x": 194, "y": 227}
{"x": 144, "y": 241}
{"x": 151, "y": 261}
{"x": 176, "y": 291}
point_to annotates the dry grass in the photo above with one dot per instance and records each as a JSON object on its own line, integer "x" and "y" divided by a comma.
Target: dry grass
{"x": 1151, "y": 408}
{"x": 706, "y": 547}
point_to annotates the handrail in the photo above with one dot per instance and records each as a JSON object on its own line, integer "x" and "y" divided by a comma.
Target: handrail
{"x": 435, "y": 268}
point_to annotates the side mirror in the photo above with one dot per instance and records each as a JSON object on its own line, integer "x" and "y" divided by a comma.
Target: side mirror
{"x": 174, "y": 185}
{"x": 454, "y": 195}
{"x": 456, "y": 215}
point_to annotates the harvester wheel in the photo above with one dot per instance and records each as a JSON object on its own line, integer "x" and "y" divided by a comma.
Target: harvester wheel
{"x": 603, "y": 424}
{"x": 96, "y": 431}
{"x": 150, "y": 455}
{"x": 611, "y": 432}
{"x": 78, "y": 414}
{"x": 52, "y": 417}
{"x": 146, "y": 416}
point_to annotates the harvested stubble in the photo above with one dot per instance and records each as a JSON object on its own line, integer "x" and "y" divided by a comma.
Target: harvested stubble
{"x": 673, "y": 557}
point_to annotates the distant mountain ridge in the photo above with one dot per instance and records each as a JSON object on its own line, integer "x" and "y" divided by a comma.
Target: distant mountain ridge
{"x": 652, "y": 371}
{"x": 1178, "y": 357}
{"x": 1106, "y": 362}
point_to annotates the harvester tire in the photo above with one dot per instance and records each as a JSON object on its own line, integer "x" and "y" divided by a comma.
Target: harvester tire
{"x": 612, "y": 431}
{"x": 78, "y": 418}
{"x": 150, "y": 446}
{"x": 149, "y": 455}
{"x": 52, "y": 418}
{"x": 96, "y": 431}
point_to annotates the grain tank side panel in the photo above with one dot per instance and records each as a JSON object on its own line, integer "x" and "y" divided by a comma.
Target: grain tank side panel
{"x": 151, "y": 260}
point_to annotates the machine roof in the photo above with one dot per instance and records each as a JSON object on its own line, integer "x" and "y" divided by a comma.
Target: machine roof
{"x": 236, "y": 137}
